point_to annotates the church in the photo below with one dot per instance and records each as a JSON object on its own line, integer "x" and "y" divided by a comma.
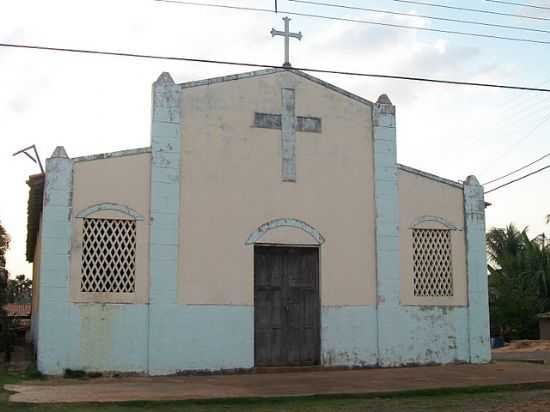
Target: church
{"x": 267, "y": 224}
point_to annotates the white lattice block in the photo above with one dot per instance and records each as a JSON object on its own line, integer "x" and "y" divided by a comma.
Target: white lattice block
{"x": 432, "y": 263}
{"x": 108, "y": 256}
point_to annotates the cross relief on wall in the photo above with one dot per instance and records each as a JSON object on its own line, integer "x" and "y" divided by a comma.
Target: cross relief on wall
{"x": 288, "y": 123}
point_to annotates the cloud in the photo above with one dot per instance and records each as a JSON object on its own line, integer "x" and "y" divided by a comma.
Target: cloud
{"x": 19, "y": 103}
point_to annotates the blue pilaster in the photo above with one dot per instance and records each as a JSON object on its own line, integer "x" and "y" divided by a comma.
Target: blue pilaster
{"x": 387, "y": 228}
{"x": 54, "y": 304}
{"x": 478, "y": 306}
{"x": 165, "y": 212}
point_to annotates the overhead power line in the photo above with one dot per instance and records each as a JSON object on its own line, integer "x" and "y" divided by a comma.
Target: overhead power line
{"x": 517, "y": 170}
{"x": 483, "y": 11}
{"x": 523, "y": 101}
{"x": 377, "y": 23}
{"x": 521, "y": 139}
{"x": 512, "y": 3}
{"x": 422, "y": 16}
{"x": 518, "y": 179}
{"x": 271, "y": 66}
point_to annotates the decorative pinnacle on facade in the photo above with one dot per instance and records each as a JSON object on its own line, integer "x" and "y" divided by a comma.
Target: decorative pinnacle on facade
{"x": 287, "y": 35}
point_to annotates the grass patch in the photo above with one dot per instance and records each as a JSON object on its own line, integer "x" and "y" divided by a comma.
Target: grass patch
{"x": 33, "y": 373}
{"x": 74, "y": 374}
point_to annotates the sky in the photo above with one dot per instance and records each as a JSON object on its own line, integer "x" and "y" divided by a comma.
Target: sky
{"x": 94, "y": 104}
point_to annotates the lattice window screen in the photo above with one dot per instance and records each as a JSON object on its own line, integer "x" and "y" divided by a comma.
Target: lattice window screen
{"x": 432, "y": 263}
{"x": 108, "y": 256}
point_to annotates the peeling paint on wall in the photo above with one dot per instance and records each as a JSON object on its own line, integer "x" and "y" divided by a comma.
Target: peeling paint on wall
{"x": 348, "y": 336}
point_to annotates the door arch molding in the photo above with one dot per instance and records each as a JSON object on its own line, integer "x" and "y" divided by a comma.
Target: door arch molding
{"x": 257, "y": 235}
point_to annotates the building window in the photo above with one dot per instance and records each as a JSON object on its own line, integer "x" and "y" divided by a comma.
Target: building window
{"x": 108, "y": 262}
{"x": 432, "y": 263}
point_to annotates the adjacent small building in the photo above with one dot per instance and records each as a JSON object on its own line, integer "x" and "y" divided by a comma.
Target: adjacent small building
{"x": 267, "y": 224}
{"x": 544, "y": 326}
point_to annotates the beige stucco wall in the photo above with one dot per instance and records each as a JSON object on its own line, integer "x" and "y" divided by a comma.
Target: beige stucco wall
{"x": 231, "y": 184}
{"x": 421, "y": 196}
{"x": 124, "y": 180}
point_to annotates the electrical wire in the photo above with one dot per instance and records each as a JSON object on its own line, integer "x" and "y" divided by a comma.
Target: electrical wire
{"x": 526, "y": 114}
{"x": 270, "y": 66}
{"x": 518, "y": 179}
{"x": 377, "y": 23}
{"x": 483, "y": 11}
{"x": 512, "y": 3}
{"x": 529, "y": 134}
{"x": 422, "y": 16}
{"x": 517, "y": 170}
{"x": 522, "y": 101}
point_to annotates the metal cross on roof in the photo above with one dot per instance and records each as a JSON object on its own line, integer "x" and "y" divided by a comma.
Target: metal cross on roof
{"x": 287, "y": 35}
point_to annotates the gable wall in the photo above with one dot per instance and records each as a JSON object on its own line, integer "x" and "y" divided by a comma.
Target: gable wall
{"x": 90, "y": 336}
{"x": 231, "y": 184}
{"x": 421, "y": 196}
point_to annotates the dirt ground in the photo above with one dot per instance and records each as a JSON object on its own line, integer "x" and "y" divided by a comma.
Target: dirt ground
{"x": 523, "y": 398}
{"x": 291, "y": 384}
{"x": 518, "y": 401}
{"x": 525, "y": 346}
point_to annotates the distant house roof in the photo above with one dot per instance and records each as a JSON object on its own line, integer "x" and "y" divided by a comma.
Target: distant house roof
{"x": 18, "y": 310}
{"x": 34, "y": 212}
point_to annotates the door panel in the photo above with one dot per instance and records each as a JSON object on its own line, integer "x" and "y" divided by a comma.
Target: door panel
{"x": 287, "y": 308}
{"x": 268, "y": 313}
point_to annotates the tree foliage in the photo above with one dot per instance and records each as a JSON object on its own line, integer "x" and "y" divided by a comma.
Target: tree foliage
{"x": 19, "y": 290}
{"x": 6, "y": 328}
{"x": 4, "y": 245}
{"x": 519, "y": 281}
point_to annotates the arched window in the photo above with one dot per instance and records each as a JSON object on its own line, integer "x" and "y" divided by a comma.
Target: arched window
{"x": 108, "y": 254}
{"x": 432, "y": 257}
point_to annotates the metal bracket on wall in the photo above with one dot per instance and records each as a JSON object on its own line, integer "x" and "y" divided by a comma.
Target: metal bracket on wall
{"x": 35, "y": 159}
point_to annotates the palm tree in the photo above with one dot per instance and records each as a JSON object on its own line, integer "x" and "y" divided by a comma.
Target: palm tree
{"x": 519, "y": 281}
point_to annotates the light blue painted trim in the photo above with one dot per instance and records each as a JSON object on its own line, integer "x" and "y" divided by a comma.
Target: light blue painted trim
{"x": 435, "y": 219}
{"x": 478, "y": 299}
{"x": 431, "y": 176}
{"x": 288, "y": 222}
{"x": 110, "y": 155}
{"x": 201, "y": 337}
{"x": 166, "y": 137}
{"x": 390, "y": 339}
{"x": 115, "y": 207}
{"x": 57, "y": 334}
{"x": 288, "y": 135}
{"x": 346, "y": 336}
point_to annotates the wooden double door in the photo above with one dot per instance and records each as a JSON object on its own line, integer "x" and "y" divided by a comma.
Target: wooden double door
{"x": 286, "y": 306}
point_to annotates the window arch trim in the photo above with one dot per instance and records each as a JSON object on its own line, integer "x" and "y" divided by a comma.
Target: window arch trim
{"x": 417, "y": 224}
{"x": 113, "y": 207}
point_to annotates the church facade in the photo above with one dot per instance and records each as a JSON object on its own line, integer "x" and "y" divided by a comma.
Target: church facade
{"x": 268, "y": 224}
